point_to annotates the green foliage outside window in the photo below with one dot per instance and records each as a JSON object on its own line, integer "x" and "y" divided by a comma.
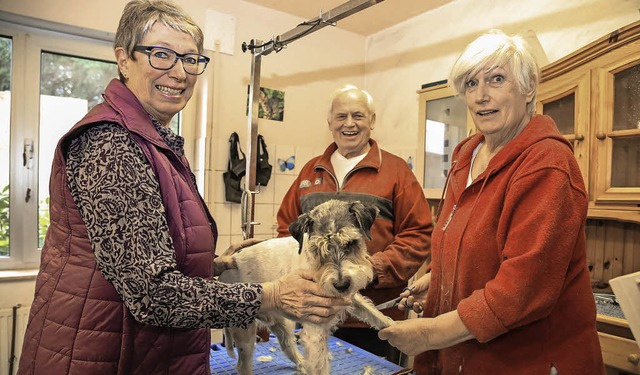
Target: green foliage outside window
{"x": 4, "y": 221}
{"x": 43, "y": 221}
{"x": 73, "y": 77}
{"x": 5, "y": 64}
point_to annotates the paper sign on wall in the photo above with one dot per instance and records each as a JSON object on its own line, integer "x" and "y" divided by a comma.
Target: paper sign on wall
{"x": 220, "y": 27}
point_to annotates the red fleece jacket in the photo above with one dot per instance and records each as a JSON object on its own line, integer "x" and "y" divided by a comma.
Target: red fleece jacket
{"x": 401, "y": 234}
{"x": 509, "y": 254}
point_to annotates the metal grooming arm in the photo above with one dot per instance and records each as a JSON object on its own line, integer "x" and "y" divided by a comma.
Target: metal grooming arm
{"x": 259, "y": 49}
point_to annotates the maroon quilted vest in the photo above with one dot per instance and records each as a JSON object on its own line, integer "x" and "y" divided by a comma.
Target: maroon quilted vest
{"x": 78, "y": 324}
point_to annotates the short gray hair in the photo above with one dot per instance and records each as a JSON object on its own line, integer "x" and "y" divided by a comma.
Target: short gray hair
{"x": 494, "y": 49}
{"x": 139, "y": 16}
{"x": 347, "y": 88}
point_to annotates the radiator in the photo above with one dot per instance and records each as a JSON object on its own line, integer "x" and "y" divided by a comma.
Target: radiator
{"x": 6, "y": 324}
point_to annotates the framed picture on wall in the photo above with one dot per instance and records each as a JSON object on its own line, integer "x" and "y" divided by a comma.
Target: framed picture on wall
{"x": 270, "y": 104}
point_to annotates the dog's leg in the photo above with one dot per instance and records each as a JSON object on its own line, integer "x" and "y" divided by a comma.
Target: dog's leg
{"x": 283, "y": 329}
{"x": 316, "y": 349}
{"x": 229, "y": 342}
{"x": 245, "y": 342}
{"x": 363, "y": 309}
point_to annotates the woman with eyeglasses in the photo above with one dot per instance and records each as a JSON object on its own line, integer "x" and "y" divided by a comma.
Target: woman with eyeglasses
{"x": 125, "y": 283}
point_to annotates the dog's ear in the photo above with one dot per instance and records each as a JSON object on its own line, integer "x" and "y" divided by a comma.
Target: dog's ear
{"x": 365, "y": 214}
{"x": 299, "y": 227}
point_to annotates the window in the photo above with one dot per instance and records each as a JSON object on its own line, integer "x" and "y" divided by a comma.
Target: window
{"x": 48, "y": 81}
{"x": 5, "y": 115}
{"x": 69, "y": 87}
{"x": 57, "y": 78}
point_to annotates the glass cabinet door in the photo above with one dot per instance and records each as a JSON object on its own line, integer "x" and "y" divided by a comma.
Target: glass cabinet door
{"x": 618, "y": 131}
{"x": 566, "y": 101}
{"x": 626, "y": 116}
{"x": 443, "y": 124}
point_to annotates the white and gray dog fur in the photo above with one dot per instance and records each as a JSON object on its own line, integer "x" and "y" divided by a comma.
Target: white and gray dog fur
{"x": 330, "y": 241}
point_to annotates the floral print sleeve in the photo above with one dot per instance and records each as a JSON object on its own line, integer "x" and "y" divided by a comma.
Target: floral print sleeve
{"x": 119, "y": 199}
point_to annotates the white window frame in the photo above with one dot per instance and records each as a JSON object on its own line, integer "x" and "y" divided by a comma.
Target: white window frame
{"x": 28, "y": 43}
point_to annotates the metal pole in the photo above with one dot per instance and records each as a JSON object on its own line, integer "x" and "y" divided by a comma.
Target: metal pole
{"x": 248, "y": 204}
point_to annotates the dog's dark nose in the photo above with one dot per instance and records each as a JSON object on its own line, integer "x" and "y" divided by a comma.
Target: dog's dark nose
{"x": 342, "y": 285}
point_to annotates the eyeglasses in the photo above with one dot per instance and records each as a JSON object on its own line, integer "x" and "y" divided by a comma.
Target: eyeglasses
{"x": 162, "y": 58}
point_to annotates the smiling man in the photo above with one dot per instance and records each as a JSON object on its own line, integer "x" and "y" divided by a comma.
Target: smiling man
{"x": 354, "y": 168}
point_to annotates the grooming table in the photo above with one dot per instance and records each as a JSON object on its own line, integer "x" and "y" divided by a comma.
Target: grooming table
{"x": 346, "y": 359}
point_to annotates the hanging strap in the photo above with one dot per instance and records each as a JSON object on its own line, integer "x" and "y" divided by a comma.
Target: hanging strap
{"x": 263, "y": 154}
{"x": 236, "y": 164}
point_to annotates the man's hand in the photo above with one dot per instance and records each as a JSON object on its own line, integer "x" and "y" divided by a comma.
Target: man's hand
{"x": 234, "y": 248}
{"x": 226, "y": 261}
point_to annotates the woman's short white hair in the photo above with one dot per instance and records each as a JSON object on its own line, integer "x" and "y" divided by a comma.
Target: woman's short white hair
{"x": 495, "y": 49}
{"x": 347, "y": 88}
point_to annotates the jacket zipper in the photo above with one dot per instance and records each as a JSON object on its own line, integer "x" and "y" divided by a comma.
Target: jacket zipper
{"x": 346, "y": 176}
{"x": 446, "y": 223}
{"x": 335, "y": 179}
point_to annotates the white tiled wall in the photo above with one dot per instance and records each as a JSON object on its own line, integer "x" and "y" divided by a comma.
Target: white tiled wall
{"x": 267, "y": 201}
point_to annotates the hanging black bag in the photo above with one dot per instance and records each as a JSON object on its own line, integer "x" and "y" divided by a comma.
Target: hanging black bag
{"x": 263, "y": 168}
{"x": 235, "y": 171}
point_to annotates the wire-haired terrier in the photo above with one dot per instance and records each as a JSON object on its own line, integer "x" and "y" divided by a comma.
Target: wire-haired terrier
{"x": 330, "y": 240}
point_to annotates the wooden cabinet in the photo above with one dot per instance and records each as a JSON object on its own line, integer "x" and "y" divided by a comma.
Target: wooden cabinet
{"x": 594, "y": 96}
{"x": 617, "y": 126}
{"x": 619, "y": 350}
{"x": 444, "y": 122}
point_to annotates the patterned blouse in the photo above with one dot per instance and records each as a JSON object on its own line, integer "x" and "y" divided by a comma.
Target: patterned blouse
{"x": 144, "y": 273}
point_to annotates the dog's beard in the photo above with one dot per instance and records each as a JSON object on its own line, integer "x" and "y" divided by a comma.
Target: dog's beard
{"x": 345, "y": 278}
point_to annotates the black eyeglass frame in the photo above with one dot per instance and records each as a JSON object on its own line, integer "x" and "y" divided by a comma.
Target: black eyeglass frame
{"x": 148, "y": 49}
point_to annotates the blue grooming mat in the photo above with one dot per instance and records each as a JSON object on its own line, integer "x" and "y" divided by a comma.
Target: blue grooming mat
{"x": 346, "y": 359}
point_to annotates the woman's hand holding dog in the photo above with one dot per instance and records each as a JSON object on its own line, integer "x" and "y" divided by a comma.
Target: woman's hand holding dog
{"x": 300, "y": 298}
{"x": 440, "y": 332}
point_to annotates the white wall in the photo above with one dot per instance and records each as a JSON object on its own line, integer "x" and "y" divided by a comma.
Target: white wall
{"x": 422, "y": 50}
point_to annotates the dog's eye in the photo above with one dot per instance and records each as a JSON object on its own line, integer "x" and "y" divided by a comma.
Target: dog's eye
{"x": 351, "y": 245}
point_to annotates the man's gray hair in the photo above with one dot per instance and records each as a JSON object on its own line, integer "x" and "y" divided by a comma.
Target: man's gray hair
{"x": 347, "y": 88}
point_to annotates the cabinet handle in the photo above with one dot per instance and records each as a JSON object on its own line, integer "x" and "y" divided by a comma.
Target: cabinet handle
{"x": 633, "y": 358}
{"x": 579, "y": 137}
{"x": 601, "y": 136}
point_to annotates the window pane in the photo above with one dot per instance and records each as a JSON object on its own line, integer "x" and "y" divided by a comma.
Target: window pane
{"x": 5, "y": 112}
{"x": 446, "y": 126}
{"x": 175, "y": 123}
{"x": 69, "y": 87}
{"x": 625, "y": 166}
{"x": 562, "y": 111}
{"x": 626, "y": 100}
